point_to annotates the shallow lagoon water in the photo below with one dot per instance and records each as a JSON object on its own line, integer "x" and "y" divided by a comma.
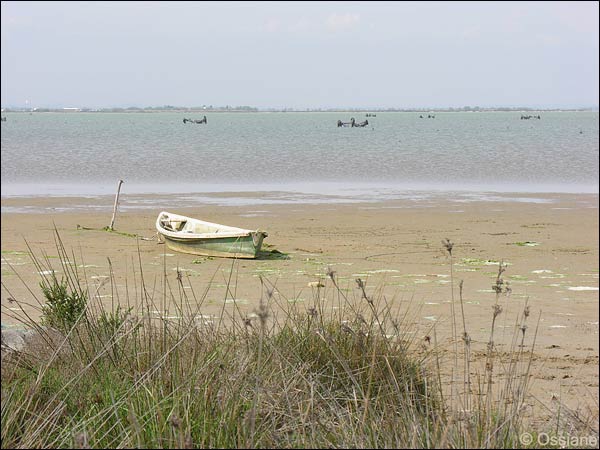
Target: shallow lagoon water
{"x": 62, "y": 154}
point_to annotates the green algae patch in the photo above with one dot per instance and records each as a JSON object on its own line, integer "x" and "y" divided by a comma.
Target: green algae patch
{"x": 481, "y": 262}
{"x": 517, "y": 277}
{"x": 527, "y": 244}
{"x": 266, "y": 271}
{"x": 314, "y": 262}
{"x": 236, "y": 301}
{"x": 202, "y": 260}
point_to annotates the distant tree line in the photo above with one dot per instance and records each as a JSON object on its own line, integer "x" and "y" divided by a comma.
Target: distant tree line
{"x": 137, "y": 109}
{"x": 228, "y": 108}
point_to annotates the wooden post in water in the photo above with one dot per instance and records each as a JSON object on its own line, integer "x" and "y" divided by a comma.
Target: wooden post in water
{"x": 112, "y": 222}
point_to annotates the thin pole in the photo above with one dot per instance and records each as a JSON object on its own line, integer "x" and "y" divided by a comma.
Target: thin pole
{"x": 112, "y": 222}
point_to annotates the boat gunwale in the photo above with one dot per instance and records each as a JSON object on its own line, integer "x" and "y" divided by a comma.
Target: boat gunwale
{"x": 234, "y": 233}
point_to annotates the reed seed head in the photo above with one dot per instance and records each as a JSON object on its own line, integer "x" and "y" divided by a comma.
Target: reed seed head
{"x": 360, "y": 283}
{"x": 263, "y": 313}
{"x": 81, "y": 440}
{"x": 497, "y": 310}
{"x": 175, "y": 421}
{"x": 331, "y": 273}
{"x": 466, "y": 338}
{"x": 448, "y": 245}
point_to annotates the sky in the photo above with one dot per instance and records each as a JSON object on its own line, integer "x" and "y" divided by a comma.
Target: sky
{"x": 301, "y": 55}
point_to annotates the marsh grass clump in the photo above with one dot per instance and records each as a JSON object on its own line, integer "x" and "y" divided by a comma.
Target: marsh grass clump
{"x": 63, "y": 307}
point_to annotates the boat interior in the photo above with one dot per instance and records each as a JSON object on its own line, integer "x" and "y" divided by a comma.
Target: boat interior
{"x": 183, "y": 225}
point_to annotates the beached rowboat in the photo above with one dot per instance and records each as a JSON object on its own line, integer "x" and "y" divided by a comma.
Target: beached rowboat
{"x": 188, "y": 235}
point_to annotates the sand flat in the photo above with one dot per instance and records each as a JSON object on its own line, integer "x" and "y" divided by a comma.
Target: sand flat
{"x": 395, "y": 246}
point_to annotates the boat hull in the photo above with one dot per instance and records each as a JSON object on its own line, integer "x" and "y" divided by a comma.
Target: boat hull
{"x": 224, "y": 247}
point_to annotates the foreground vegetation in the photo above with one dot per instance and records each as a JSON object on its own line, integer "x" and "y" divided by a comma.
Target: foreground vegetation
{"x": 344, "y": 371}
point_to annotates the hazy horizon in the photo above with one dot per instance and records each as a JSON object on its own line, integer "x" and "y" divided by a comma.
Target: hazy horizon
{"x": 300, "y": 55}
{"x": 235, "y": 107}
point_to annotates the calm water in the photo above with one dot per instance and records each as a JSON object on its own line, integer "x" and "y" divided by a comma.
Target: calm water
{"x": 87, "y": 153}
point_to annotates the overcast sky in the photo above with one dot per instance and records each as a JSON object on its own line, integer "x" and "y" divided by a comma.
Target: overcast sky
{"x": 300, "y": 55}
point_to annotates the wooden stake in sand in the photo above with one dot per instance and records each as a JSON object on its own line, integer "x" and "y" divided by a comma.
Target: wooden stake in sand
{"x": 112, "y": 222}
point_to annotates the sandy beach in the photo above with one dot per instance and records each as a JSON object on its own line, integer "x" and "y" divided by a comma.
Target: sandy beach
{"x": 550, "y": 247}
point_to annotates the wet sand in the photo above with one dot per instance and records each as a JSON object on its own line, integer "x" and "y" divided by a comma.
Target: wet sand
{"x": 550, "y": 246}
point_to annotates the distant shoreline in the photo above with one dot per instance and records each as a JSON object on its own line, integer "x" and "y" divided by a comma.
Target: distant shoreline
{"x": 285, "y": 110}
